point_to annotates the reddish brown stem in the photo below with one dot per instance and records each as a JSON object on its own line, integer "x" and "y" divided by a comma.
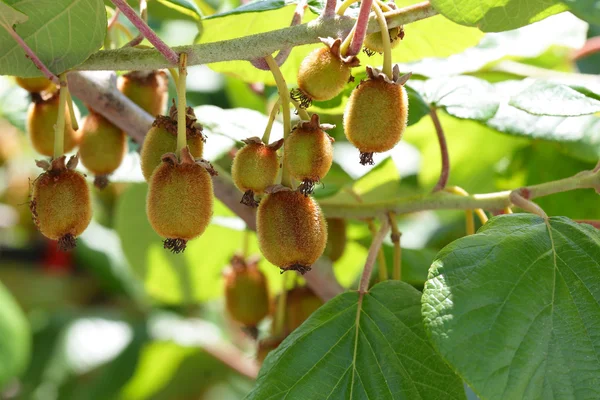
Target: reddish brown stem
{"x": 362, "y": 24}
{"x": 329, "y": 10}
{"x": 32, "y": 56}
{"x": 590, "y": 47}
{"x": 146, "y": 31}
{"x": 113, "y": 19}
{"x": 373, "y": 250}
{"x": 445, "y": 174}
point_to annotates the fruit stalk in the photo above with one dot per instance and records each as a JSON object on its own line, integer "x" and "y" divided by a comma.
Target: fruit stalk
{"x": 396, "y": 235}
{"x": 344, "y": 6}
{"x": 445, "y": 174}
{"x": 385, "y": 37}
{"x": 302, "y": 113}
{"x": 381, "y": 261}
{"x": 267, "y": 134}
{"x": 181, "y": 104}
{"x": 59, "y": 128}
{"x": 375, "y": 246}
{"x": 279, "y": 319}
{"x": 284, "y": 95}
{"x": 74, "y": 123}
{"x": 469, "y": 220}
{"x": 146, "y": 31}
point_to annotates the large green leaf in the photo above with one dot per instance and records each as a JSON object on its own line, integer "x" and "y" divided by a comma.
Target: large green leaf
{"x": 587, "y": 10}
{"x": 15, "y": 338}
{"x": 62, "y": 33}
{"x": 550, "y": 98}
{"x": 497, "y": 15}
{"x": 187, "y": 7}
{"x": 515, "y": 309}
{"x": 360, "y": 347}
{"x": 10, "y": 16}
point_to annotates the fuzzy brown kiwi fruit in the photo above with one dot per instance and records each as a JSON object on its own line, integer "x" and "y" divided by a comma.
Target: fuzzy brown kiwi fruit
{"x": 246, "y": 293}
{"x": 376, "y": 114}
{"x": 291, "y": 229}
{"x": 162, "y": 139}
{"x": 34, "y": 85}
{"x": 323, "y": 73}
{"x": 336, "y": 238}
{"x": 149, "y": 90}
{"x": 373, "y": 42}
{"x": 41, "y": 117}
{"x": 309, "y": 153}
{"x": 255, "y": 167}
{"x": 60, "y": 203}
{"x": 102, "y": 148}
{"x": 300, "y": 303}
{"x": 10, "y": 146}
{"x": 180, "y": 200}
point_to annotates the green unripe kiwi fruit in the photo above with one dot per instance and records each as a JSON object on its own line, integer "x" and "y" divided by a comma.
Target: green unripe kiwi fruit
{"x": 323, "y": 73}
{"x": 10, "y": 145}
{"x": 291, "y": 229}
{"x": 300, "y": 303}
{"x": 162, "y": 139}
{"x": 41, "y": 118}
{"x": 180, "y": 200}
{"x": 103, "y": 147}
{"x": 34, "y": 85}
{"x": 336, "y": 238}
{"x": 61, "y": 204}
{"x": 376, "y": 114}
{"x": 246, "y": 292}
{"x": 255, "y": 167}
{"x": 309, "y": 153}
{"x": 149, "y": 90}
{"x": 373, "y": 42}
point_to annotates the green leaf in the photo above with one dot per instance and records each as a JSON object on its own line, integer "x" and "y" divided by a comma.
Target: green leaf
{"x": 515, "y": 308}
{"x": 15, "y": 338}
{"x": 497, "y": 15}
{"x": 356, "y": 347}
{"x": 587, "y": 10}
{"x": 62, "y": 33}
{"x": 186, "y": 7}
{"x": 549, "y": 98}
{"x": 461, "y": 96}
{"x": 10, "y": 16}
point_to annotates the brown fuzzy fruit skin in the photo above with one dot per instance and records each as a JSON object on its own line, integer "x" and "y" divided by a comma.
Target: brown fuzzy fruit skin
{"x": 61, "y": 204}
{"x": 301, "y": 302}
{"x": 41, "y": 118}
{"x": 34, "y": 85}
{"x": 309, "y": 154}
{"x": 103, "y": 145}
{"x": 246, "y": 295}
{"x": 374, "y": 42}
{"x": 322, "y": 75}
{"x": 158, "y": 142}
{"x": 255, "y": 167}
{"x": 336, "y": 238}
{"x": 149, "y": 91}
{"x": 376, "y": 115}
{"x": 180, "y": 200}
{"x": 291, "y": 229}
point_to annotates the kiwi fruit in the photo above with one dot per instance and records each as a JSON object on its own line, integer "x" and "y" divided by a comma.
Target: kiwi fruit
{"x": 41, "y": 118}
{"x": 149, "y": 90}
{"x": 323, "y": 73}
{"x": 103, "y": 147}
{"x": 373, "y": 42}
{"x": 309, "y": 153}
{"x": 255, "y": 168}
{"x": 61, "y": 204}
{"x": 336, "y": 238}
{"x": 301, "y": 303}
{"x": 291, "y": 229}
{"x": 10, "y": 145}
{"x": 34, "y": 85}
{"x": 180, "y": 200}
{"x": 162, "y": 139}
{"x": 246, "y": 293}
{"x": 376, "y": 114}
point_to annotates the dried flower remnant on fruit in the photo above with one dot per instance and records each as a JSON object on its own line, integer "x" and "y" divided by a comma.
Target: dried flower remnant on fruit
{"x": 41, "y": 118}
{"x": 291, "y": 229}
{"x": 323, "y": 73}
{"x": 180, "y": 200}
{"x": 376, "y": 114}
{"x": 374, "y": 43}
{"x": 246, "y": 293}
{"x": 103, "y": 147}
{"x": 162, "y": 139}
{"x": 60, "y": 204}
{"x": 309, "y": 153}
{"x": 147, "y": 89}
{"x": 255, "y": 168}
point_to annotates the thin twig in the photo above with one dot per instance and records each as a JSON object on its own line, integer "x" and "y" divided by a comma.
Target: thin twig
{"x": 113, "y": 19}
{"x": 381, "y": 261}
{"x": 146, "y": 31}
{"x": 445, "y": 174}
{"x": 375, "y": 245}
{"x": 362, "y": 23}
{"x": 32, "y": 56}
{"x": 329, "y": 10}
